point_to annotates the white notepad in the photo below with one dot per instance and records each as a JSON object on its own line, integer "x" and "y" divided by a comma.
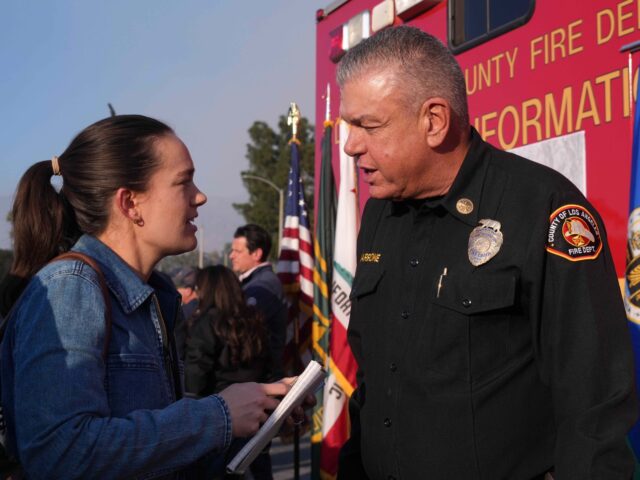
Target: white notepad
{"x": 306, "y": 383}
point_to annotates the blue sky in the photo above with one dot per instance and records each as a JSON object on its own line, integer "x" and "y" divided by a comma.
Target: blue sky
{"x": 208, "y": 68}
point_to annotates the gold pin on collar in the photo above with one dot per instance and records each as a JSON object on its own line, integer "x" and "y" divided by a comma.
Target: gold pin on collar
{"x": 464, "y": 206}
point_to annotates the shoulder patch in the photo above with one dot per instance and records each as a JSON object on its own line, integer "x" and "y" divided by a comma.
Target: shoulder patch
{"x": 573, "y": 234}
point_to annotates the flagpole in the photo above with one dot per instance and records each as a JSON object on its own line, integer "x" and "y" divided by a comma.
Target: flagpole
{"x": 631, "y": 116}
{"x": 631, "y": 48}
{"x": 327, "y": 112}
{"x": 293, "y": 118}
{"x": 325, "y": 219}
{"x": 295, "y": 268}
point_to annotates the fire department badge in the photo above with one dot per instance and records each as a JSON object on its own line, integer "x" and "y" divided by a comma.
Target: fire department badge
{"x": 484, "y": 242}
{"x": 573, "y": 234}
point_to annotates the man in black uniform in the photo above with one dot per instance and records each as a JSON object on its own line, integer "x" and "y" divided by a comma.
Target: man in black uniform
{"x": 486, "y": 320}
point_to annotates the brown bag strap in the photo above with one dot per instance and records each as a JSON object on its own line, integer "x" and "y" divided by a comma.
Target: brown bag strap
{"x": 71, "y": 255}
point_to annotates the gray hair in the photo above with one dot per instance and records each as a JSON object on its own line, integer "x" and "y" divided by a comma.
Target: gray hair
{"x": 425, "y": 65}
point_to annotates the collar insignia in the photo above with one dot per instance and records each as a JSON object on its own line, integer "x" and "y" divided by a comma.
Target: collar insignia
{"x": 484, "y": 242}
{"x": 464, "y": 206}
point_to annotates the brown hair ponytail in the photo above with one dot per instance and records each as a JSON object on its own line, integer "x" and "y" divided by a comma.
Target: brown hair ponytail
{"x": 112, "y": 153}
{"x": 43, "y": 222}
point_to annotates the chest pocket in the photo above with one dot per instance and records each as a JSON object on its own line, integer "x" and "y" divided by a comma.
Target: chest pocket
{"x": 134, "y": 381}
{"x": 366, "y": 281}
{"x": 470, "y": 326}
{"x": 366, "y": 309}
{"x": 475, "y": 294}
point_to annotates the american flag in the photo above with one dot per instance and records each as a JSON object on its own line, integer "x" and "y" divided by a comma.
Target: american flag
{"x": 295, "y": 270}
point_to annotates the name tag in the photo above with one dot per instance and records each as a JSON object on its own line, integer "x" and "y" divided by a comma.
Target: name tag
{"x": 370, "y": 257}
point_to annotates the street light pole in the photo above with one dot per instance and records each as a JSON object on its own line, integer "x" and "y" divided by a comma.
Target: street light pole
{"x": 280, "y": 203}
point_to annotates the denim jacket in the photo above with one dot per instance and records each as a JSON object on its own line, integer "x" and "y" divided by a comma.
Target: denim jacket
{"x": 71, "y": 416}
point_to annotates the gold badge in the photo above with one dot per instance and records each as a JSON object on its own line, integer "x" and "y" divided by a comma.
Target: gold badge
{"x": 464, "y": 206}
{"x": 484, "y": 242}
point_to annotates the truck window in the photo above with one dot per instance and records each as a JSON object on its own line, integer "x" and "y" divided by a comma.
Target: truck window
{"x": 472, "y": 22}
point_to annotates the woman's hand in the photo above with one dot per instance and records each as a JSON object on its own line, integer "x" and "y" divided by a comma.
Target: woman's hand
{"x": 250, "y": 403}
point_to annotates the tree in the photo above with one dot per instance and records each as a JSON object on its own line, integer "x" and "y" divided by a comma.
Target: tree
{"x": 269, "y": 156}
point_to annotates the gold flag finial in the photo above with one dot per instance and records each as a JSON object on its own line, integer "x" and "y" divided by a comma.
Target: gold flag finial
{"x": 293, "y": 119}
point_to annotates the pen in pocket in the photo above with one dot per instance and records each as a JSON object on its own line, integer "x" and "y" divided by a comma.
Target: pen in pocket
{"x": 442, "y": 275}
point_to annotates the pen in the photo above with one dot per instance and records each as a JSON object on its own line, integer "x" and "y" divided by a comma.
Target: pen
{"x": 444, "y": 274}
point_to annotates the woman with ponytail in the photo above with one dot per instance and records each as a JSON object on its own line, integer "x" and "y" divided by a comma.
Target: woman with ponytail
{"x": 72, "y": 410}
{"x": 39, "y": 234}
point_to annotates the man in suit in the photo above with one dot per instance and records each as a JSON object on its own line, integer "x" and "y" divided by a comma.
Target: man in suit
{"x": 249, "y": 252}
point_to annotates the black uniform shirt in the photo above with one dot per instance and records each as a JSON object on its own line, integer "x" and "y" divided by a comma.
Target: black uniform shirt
{"x": 502, "y": 370}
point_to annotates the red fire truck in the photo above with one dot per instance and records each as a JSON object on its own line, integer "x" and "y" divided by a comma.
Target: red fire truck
{"x": 545, "y": 78}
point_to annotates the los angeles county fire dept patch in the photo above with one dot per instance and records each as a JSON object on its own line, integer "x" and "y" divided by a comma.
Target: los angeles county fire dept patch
{"x": 573, "y": 234}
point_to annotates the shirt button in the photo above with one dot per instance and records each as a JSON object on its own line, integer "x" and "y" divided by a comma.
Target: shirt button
{"x": 414, "y": 262}
{"x": 404, "y": 314}
{"x": 393, "y": 367}
{"x": 466, "y": 303}
{"x": 389, "y": 392}
{"x": 387, "y": 422}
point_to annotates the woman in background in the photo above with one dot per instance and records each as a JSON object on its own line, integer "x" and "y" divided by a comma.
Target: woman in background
{"x": 227, "y": 343}
{"x": 72, "y": 410}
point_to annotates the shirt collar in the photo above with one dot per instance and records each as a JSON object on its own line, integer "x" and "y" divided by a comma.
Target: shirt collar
{"x": 243, "y": 276}
{"x": 125, "y": 284}
{"x": 467, "y": 185}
